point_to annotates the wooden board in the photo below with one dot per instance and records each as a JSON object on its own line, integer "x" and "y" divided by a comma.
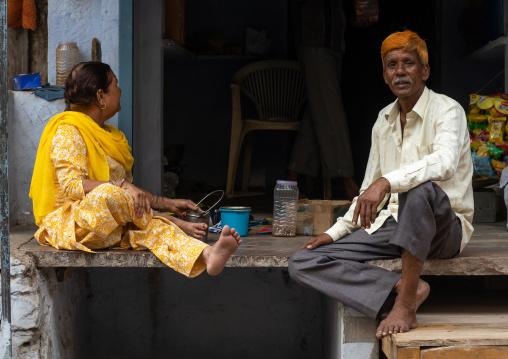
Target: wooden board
{"x": 452, "y": 334}
{"x": 460, "y": 352}
{"x": 393, "y": 352}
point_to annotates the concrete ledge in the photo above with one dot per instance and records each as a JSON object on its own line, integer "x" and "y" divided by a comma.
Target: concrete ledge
{"x": 486, "y": 254}
{"x": 255, "y": 251}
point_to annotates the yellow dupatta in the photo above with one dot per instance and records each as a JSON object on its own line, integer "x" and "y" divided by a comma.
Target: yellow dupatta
{"x": 98, "y": 143}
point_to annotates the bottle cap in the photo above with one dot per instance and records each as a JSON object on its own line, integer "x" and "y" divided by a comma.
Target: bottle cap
{"x": 291, "y": 183}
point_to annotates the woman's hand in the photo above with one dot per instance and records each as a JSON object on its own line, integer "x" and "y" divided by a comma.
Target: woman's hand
{"x": 179, "y": 206}
{"x": 141, "y": 201}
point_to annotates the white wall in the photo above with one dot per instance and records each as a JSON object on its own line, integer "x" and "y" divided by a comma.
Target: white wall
{"x": 80, "y": 21}
{"x": 28, "y": 115}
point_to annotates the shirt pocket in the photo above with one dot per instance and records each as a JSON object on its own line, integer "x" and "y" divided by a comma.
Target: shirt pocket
{"x": 423, "y": 150}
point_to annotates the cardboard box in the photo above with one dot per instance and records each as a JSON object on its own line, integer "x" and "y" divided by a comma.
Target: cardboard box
{"x": 314, "y": 217}
{"x": 26, "y": 82}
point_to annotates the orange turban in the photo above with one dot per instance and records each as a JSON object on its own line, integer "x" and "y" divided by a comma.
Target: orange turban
{"x": 407, "y": 41}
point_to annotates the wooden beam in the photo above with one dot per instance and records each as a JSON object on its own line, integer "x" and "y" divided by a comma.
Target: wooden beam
{"x": 466, "y": 352}
{"x": 408, "y": 353}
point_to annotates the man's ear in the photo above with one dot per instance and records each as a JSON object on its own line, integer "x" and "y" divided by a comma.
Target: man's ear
{"x": 384, "y": 77}
{"x": 426, "y": 72}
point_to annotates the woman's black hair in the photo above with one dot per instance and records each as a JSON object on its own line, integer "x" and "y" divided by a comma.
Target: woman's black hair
{"x": 83, "y": 82}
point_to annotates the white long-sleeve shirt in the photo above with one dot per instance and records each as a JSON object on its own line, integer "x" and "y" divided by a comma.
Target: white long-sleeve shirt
{"x": 435, "y": 147}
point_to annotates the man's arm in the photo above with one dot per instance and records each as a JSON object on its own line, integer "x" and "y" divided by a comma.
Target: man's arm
{"x": 442, "y": 161}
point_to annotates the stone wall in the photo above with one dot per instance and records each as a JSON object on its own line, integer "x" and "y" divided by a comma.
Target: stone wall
{"x": 47, "y": 306}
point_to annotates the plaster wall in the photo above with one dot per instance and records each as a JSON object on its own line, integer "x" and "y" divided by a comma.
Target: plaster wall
{"x": 28, "y": 115}
{"x": 81, "y": 21}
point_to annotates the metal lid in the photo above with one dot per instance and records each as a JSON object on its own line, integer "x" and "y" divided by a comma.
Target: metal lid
{"x": 291, "y": 183}
{"x": 235, "y": 208}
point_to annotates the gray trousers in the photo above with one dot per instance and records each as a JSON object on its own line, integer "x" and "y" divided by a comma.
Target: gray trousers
{"x": 322, "y": 141}
{"x": 427, "y": 227}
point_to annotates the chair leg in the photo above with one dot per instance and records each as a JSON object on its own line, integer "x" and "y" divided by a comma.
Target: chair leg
{"x": 327, "y": 188}
{"x": 234, "y": 152}
{"x": 247, "y": 159}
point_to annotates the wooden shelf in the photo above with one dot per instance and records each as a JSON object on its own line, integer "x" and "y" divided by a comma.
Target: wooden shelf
{"x": 494, "y": 48}
{"x": 173, "y": 49}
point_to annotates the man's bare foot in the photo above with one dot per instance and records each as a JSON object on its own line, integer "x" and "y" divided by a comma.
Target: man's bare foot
{"x": 352, "y": 189}
{"x": 422, "y": 292}
{"x": 403, "y": 316}
{"x": 400, "y": 320}
{"x": 217, "y": 255}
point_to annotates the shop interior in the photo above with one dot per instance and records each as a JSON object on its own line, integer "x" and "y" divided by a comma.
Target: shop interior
{"x": 197, "y": 77}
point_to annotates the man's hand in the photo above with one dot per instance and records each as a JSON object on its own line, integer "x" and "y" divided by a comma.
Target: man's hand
{"x": 368, "y": 201}
{"x": 179, "y": 206}
{"x": 315, "y": 242}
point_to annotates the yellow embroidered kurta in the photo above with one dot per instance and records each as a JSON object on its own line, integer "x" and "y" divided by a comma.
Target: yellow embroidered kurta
{"x": 105, "y": 217}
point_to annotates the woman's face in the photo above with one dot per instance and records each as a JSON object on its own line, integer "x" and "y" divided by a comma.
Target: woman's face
{"x": 112, "y": 98}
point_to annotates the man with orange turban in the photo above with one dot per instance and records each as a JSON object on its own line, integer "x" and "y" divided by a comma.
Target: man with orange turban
{"x": 415, "y": 203}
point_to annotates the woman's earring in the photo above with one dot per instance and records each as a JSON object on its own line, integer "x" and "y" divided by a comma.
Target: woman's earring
{"x": 103, "y": 104}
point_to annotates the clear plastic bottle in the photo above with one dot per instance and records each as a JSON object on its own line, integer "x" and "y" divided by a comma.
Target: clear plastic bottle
{"x": 67, "y": 56}
{"x": 285, "y": 198}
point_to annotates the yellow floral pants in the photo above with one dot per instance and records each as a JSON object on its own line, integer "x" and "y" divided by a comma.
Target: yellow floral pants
{"x": 105, "y": 218}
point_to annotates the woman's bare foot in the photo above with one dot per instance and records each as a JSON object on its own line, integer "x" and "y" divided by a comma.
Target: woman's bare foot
{"x": 217, "y": 255}
{"x": 403, "y": 315}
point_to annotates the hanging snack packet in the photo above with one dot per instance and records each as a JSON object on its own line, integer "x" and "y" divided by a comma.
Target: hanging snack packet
{"x": 481, "y": 164}
{"x": 477, "y": 122}
{"x": 496, "y": 129}
{"x": 498, "y": 166}
{"x": 494, "y": 152}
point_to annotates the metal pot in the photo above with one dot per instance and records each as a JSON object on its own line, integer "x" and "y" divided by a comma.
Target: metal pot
{"x": 200, "y": 216}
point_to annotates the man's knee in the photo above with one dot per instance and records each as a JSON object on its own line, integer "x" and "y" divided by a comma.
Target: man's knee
{"x": 298, "y": 263}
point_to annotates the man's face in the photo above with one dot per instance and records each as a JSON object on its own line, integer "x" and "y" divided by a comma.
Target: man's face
{"x": 404, "y": 73}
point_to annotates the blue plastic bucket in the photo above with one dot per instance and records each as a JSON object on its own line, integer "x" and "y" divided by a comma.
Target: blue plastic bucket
{"x": 237, "y": 218}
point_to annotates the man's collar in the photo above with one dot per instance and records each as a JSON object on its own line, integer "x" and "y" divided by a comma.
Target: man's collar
{"x": 419, "y": 107}
{"x": 421, "y": 104}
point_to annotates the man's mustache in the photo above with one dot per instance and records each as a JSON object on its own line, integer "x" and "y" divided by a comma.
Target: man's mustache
{"x": 401, "y": 80}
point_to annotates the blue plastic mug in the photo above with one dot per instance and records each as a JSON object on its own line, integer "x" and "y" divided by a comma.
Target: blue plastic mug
{"x": 236, "y": 217}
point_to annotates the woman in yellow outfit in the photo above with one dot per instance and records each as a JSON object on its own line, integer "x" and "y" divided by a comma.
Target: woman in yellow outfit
{"x": 82, "y": 190}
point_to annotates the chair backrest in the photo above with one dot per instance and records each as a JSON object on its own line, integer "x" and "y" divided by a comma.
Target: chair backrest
{"x": 276, "y": 87}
